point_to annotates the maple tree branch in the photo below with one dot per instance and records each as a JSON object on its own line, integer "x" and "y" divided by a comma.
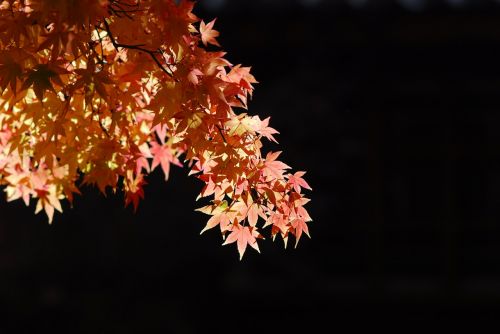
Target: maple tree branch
{"x": 222, "y": 134}
{"x": 103, "y": 129}
{"x": 117, "y": 12}
{"x": 99, "y": 119}
{"x": 132, "y": 9}
{"x": 167, "y": 63}
{"x": 118, "y": 2}
{"x": 139, "y": 48}
{"x": 132, "y": 127}
{"x": 100, "y": 59}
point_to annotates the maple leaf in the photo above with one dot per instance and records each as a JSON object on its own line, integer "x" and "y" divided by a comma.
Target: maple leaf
{"x": 134, "y": 191}
{"x": 300, "y": 226}
{"x": 241, "y": 75}
{"x": 20, "y": 186}
{"x": 219, "y": 217}
{"x": 92, "y": 80}
{"x": 45, "y": 191}
{"x": 243, "y": 236}
{"x": 14, "y": 28}
{"x": 142, "y": 161}
{"x": 40, "y": 78}
{"x": 242, "y": 124}
{"x": 10, "y": 71}
{"x": 101, "y": 175}
{"x": 267, "y": 131}
{"x": 297, "y": 181}
{"x": 208, "y": 34}
{"x": 253, "y": 214}
{"x": 60, "y": 39}
{"x": 162, "y": 155}
{"x": 273, "y": 167}
{"x": 193, "y": 76}
{"x": 166, "y": 102}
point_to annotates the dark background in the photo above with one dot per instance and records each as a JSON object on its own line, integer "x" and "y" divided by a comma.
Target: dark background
{"x": 393, "y": 109}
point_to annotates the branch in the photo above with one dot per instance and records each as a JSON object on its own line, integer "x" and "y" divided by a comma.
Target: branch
{"x": 222, "y": 134}
{"x": 138, "y": 47}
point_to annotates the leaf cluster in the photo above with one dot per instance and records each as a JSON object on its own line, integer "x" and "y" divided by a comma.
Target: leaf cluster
{"x": 105, "y": 91}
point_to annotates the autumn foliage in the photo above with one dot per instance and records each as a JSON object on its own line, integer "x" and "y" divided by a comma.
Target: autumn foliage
{"x": 104, "y": 91}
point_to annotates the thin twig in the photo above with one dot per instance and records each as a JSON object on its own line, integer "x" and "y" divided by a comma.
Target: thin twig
{"x": 138, "y": 47}
{"x": 222, "y": 134}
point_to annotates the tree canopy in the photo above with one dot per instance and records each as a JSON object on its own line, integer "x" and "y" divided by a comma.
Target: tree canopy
{"x": 103, "y": 92}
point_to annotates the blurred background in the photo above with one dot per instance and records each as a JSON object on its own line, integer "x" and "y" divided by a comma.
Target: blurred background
{"x": 393, "y": 109}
